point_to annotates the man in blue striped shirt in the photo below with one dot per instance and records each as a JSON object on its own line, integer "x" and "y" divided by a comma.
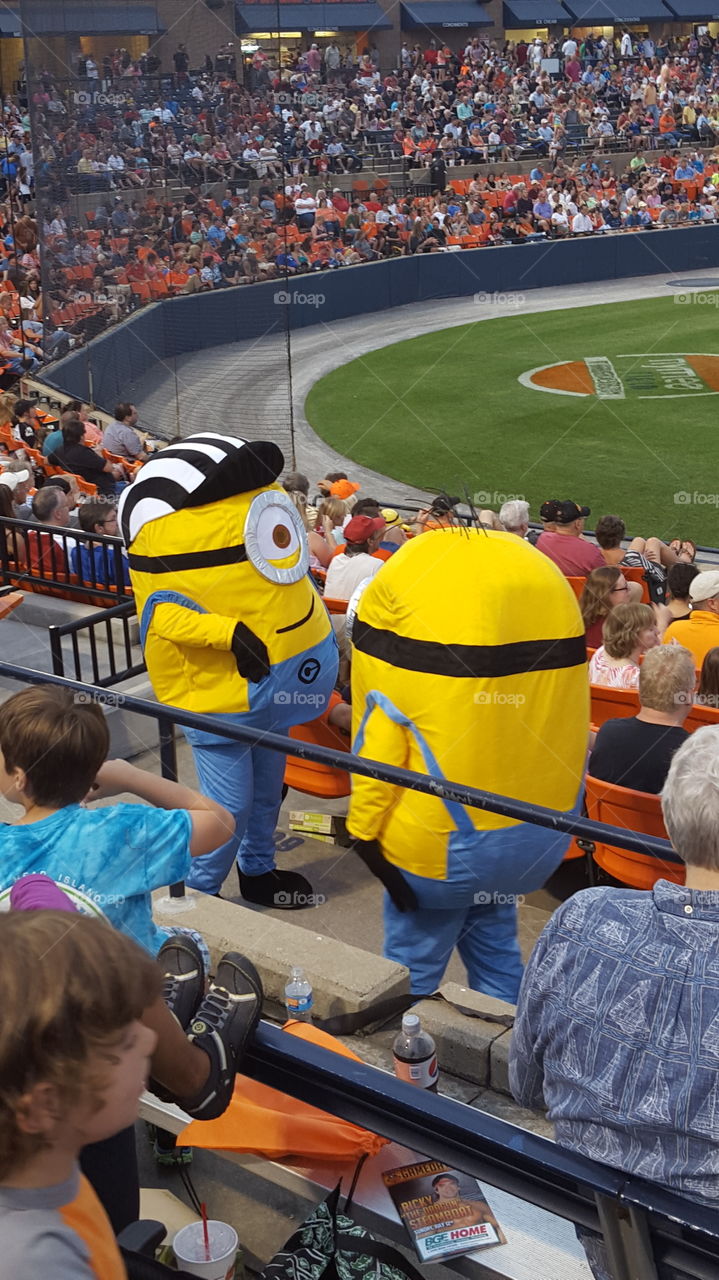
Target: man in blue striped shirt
{"x": 617, "y": 1030}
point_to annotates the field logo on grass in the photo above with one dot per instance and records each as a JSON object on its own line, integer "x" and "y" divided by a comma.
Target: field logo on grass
{"x": 637, "y": 377}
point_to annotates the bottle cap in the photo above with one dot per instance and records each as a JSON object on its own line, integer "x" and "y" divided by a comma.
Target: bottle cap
{"x": 296, "y": 972}
{"x": 410, "y": 1023}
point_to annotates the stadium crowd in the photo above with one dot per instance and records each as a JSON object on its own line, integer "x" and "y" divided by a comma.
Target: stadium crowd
{"x": 242, "y": 180}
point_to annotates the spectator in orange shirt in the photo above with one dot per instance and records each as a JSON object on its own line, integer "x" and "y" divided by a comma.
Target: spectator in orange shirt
{"x": 668, "y": 126}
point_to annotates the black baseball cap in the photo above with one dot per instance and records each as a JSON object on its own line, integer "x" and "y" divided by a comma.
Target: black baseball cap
{"x": 548, "y": 510}
{"x": 569, "y": 511}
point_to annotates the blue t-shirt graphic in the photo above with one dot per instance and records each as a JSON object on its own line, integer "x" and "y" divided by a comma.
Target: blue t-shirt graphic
{"x": 116, "y": 855}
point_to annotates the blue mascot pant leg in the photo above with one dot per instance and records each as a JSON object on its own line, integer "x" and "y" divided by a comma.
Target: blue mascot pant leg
{"x": 257, "y": 850}
{"x": 225, "y": 774}
{"x": 422, "y": 940}
{"x": 490, "y": 951}
{"x": 485, "y": 935}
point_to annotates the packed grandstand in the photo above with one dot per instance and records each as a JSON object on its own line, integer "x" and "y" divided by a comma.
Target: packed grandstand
{"x": 191, "y": 182}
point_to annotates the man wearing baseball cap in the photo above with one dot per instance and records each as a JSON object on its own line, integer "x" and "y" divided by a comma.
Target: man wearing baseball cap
{"x": 565, "y": 545}
{"x": 18, "y": 479}
{"x": 700, "y": 631}
{"x": 363, "y": 535}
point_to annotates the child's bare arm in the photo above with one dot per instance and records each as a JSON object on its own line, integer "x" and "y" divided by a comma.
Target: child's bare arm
{"x": 212, "y": 825}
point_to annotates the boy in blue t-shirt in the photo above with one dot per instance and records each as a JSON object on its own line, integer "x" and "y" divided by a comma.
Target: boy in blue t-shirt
{"x": 52, "y": 748}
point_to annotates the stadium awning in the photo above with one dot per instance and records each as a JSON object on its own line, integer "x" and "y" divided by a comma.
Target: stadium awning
{"x": 91, "y": 19}
{"x": 443, "y": 13}
{"x": 366, "y": 16}
{"x": 534, "y": 13}
{"x": 692, "y": 11}
{"x": 610, "y": 13}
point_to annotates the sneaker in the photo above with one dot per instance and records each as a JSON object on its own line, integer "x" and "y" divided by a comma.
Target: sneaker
{"x": 185, "y": 976}
{"x": 165, "y": 1150}
{"x": 222, "y": 1025}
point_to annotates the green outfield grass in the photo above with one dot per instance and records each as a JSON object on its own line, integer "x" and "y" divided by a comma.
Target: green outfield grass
{"x": 447, "y": 411}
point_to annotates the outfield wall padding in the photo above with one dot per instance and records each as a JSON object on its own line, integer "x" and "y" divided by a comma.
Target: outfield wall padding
{"x": 107, "y": 369}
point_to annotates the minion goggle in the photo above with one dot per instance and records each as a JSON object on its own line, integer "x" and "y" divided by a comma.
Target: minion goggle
{"x": 275, "y": 545}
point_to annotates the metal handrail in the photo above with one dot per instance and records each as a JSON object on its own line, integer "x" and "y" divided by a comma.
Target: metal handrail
{"x": 120, "y": 614}
{"x": 87, "y": 590}
{"x": 473, "y": 797}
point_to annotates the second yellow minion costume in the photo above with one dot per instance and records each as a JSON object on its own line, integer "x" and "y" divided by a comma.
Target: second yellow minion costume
{"x": 469, "y": 663}
{"x": 232, "y": 626}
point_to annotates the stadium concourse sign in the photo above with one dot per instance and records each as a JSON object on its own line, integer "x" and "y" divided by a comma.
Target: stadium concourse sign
{"x": 668, "y": 376}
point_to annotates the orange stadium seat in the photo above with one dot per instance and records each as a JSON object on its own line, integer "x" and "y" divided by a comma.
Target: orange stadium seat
{"x": 612, "y": 704}
{"x": 634, "y": 811}
{"x": 637, "y": 575}
{"x": 577, "y": 585}
{"x": 335, "y": 606}
{"x": 318, "y": 779}
{"x": 699, "y": 716}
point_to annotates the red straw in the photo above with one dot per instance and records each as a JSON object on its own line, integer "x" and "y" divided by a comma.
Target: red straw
{"x": 205, "y": 1232}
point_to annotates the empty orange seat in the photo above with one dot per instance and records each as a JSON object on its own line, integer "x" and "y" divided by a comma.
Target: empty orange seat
{"x": 612, "y": 704}
{"x": 318, "y": 779}
{"x": 635, "y": 811}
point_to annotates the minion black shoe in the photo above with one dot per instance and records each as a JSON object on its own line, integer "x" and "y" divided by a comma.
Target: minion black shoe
{"x": 284, "y": 890}
{"x": 222, "y": 1025}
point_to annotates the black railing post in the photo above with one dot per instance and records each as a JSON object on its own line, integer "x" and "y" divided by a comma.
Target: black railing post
{"x": 168, "y": 768}
{"x": 58, "y": 664}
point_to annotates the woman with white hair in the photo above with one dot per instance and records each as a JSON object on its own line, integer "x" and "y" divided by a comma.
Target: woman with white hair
{"x": 514, "y": 517}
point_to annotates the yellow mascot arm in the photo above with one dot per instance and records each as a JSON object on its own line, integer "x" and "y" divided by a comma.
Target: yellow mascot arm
{"x": 196, "y": 630}
{"x": 371, "y": 801}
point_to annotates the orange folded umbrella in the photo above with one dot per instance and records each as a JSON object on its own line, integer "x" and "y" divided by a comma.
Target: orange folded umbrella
{"x": 264, "y": 1122}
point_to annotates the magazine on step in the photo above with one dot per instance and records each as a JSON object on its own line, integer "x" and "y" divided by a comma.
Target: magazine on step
{"x": 444, "y": 1211}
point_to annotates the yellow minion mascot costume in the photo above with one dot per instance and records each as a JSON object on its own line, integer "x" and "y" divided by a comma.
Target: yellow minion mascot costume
{"x": 231, "y": 626}
{"x": 469, "y": 663}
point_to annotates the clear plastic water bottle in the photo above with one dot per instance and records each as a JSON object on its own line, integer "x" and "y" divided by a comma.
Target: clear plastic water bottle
{"x": 415, "y": 1054}
{"x": 298, "y": 996}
